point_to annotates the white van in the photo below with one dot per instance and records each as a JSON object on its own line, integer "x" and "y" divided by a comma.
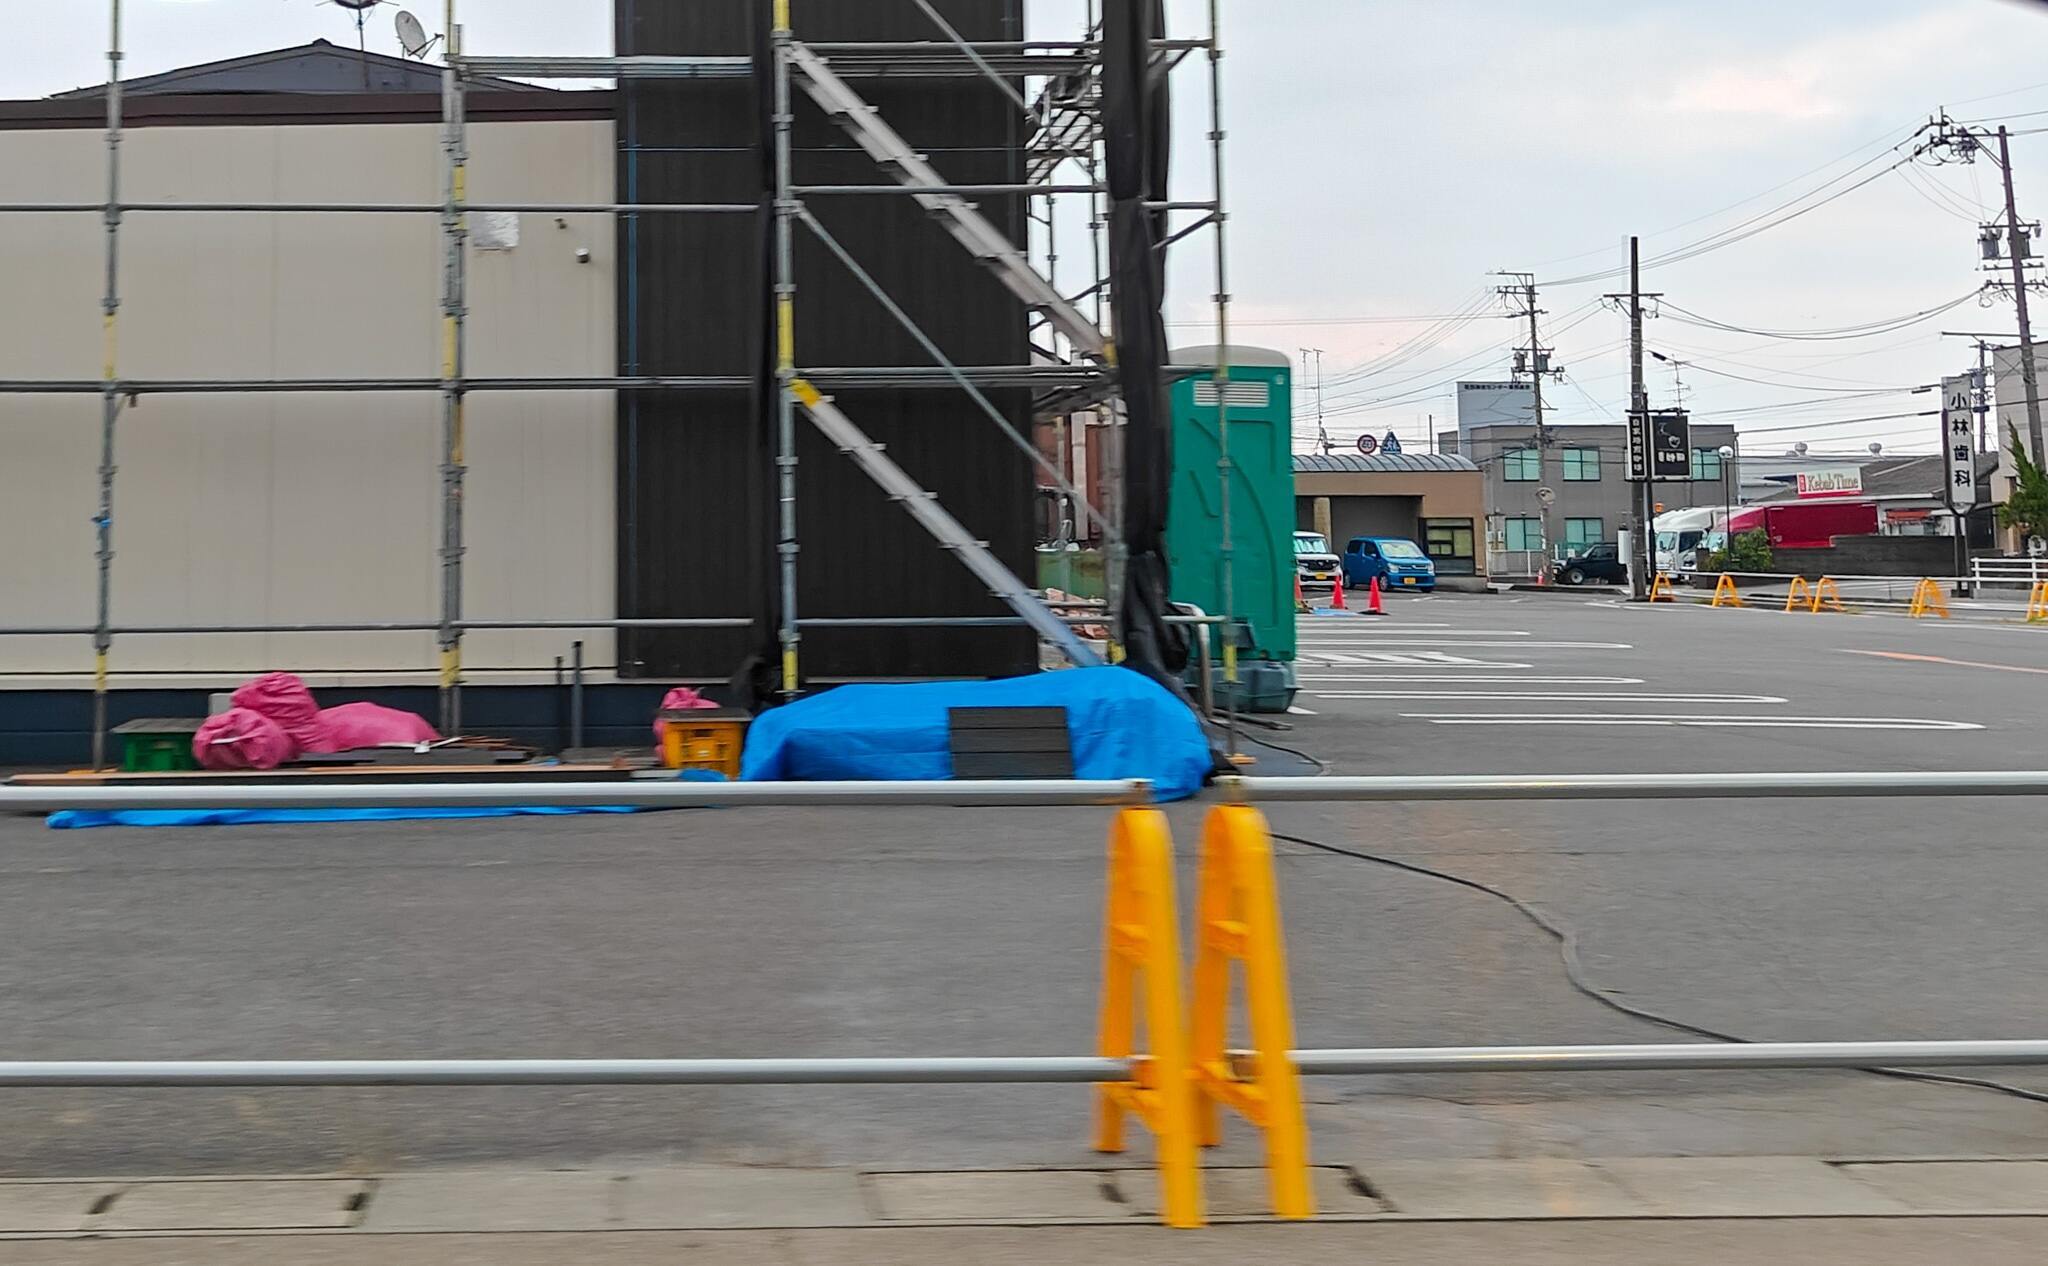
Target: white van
{"x": 1679, "y": 533}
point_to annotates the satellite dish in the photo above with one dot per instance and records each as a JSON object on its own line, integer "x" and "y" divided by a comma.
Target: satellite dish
{"x": 359, "y": 5}
{"x": 1875, "y": 448}
{"x": 412, "y": 37}
{"x": 1800, "y": 448}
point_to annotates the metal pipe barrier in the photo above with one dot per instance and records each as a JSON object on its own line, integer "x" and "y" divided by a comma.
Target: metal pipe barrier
{"x": 636, "y": 793}
{"x": 1179, "y": 1086}
{"x": 1006, "y": 1070}
{"x": 1719, "y": 1056}
{"x": 1398, "y": 787}
{"x": 561, "y": 1072}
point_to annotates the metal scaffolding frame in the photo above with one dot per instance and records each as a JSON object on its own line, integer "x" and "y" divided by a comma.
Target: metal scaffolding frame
{"x": 1071, "y": 380}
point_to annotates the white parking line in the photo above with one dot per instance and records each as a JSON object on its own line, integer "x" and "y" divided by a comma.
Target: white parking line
{"x": 1704, "y": 722}
{"x": 1426, "y": 640}
{"x": 1394, "y": 678}
{"x": 1372, "y": 632}
{"x": 1414, "y": 659}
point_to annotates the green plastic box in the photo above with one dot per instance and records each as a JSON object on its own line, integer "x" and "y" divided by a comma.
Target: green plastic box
{"x": 157, "y": 744}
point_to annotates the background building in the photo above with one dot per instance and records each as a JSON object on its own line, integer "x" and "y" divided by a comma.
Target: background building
{"x": 1586, "y": 467}
{"x": 300, "y": 508}
{"x": 1436, "y": 500}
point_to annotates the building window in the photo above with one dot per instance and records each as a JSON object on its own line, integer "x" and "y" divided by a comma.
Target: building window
{"x": 1706, "y": 463}
{"x": 1522, "y": 465}
{"x": 1581, "y": 535}
{"x": 1581, "y": 465}
{"x": 1449, "y": 544}
{"x": 1523, "y": 534}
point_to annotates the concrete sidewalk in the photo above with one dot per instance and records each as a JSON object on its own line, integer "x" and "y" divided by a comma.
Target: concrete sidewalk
{"x": 1825, "y": 1242}
{"x": 761, "y": 1199}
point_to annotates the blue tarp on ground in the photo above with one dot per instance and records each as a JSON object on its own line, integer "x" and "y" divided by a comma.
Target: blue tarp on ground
{"x": 82, "y": 819}
{"x": 1122, "y": 725}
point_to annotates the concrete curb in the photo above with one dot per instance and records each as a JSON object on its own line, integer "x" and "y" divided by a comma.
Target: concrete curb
{"x": 732, "y": 1198}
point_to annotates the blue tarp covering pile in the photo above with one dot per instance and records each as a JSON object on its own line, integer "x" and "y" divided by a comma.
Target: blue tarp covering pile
{"x": 1122, "y": 725}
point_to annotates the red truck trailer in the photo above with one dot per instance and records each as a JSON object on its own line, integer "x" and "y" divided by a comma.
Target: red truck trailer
{"x": 1807, "y": 524}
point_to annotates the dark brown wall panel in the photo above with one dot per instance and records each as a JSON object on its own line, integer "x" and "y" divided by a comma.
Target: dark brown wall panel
{"x": 697, "y": 474}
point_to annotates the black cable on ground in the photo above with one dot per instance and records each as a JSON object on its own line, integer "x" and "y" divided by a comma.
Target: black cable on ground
{"x": 1322, "y": 766}
{"x": 1575, "y": 971}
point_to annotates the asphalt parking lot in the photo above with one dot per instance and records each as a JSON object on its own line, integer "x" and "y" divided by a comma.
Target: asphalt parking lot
{"x": 841, "y": 932}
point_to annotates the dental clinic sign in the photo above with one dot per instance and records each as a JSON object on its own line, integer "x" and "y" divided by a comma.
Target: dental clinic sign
{"x": 1958, "y": 444}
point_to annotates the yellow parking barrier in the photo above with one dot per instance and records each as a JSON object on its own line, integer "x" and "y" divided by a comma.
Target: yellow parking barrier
{"x": 1927, "y": 600}
{"x": 2037, "y": 602}
{"x": 1141, "y": 952}
{"x": 1238, "y": 913}
{"x": 1724, "y": 592}
{"x": 1660, "y": 588}
{"x": 1824, "y": 592}
{"x": 1799, "y": 594}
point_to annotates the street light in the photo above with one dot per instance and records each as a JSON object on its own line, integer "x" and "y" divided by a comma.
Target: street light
{"x": 1728, "y": 502}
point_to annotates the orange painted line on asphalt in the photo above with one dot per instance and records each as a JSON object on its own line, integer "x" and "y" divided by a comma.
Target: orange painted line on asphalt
{"x": 1958, "y": 663}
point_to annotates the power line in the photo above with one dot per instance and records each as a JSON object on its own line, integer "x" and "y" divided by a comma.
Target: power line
{"x": 1762, "y": 222}
{"x": 1867, "y": 329}
{"x": 1909, "y": 129}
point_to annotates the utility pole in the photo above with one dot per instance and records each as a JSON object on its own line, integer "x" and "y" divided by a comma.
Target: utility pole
{"x": 1322, "y": 433}
{"x": 1524, "y": 289}
{"x": 2017, "y": 247}
{"x": 1983, "y": 401}
{"x": 1644, "y": 563}
{"x": 1967, "y": 144}
{"x": 1639, "y": 415}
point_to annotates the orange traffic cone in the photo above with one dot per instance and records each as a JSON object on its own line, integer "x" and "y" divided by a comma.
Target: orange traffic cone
{"x": 1337, "y": 593}
{"x": 1300, "y": 601}
{"x": 1372, "y": 604}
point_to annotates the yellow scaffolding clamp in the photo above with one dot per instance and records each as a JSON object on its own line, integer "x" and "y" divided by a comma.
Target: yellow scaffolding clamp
{"x": 1660, "y": 588}
{"x": 1238, "y": 920}
{"x": 2037, "y": 602}
{"x": 1141, "y": 952}
{"x": 1800, "y": 594}
{"x": 1825, "y": 593}
{"x": 1724, "y": 592}
{"x": 1927, "y": 600}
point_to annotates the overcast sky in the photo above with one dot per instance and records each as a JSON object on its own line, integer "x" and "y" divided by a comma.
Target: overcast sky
{"x": 1385, "y": 155}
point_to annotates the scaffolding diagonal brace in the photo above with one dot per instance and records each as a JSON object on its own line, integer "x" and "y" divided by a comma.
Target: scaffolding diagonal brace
{"x": 983, "y": 240}
{"x": 947, "y": 530}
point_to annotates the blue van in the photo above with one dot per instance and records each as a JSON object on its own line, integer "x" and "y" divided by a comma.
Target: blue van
{"x": 1397, "y": 561}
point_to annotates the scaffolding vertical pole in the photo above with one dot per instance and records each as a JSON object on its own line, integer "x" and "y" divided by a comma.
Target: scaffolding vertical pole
{"x": 110, "y": 398}
{"x": 785, "y": 348}
{"x": 1109, "y": 419}
{"x": 1226, "y": 555}
{"x": 454, "y": 298}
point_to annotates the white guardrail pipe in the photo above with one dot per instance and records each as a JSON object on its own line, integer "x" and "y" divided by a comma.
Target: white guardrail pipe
{"x": 1000, "y": 1069}
{"x": 1723, "y": 1056}
{"x": 1987, "y": 782}
{"x": 639, "y": 793}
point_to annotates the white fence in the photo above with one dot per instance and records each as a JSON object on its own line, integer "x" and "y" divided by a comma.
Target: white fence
{"x": 2007, "y": 573}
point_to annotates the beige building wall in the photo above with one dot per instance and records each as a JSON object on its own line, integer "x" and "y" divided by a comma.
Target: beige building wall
{"x": 281, "y": 509}
{"x": 1445, "y": 494}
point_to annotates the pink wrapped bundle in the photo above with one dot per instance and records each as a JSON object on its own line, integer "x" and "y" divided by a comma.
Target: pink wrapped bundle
{"x": 284, "y": 699}
{"x": 242, "y": 739}
{"x": 353, "y": 725}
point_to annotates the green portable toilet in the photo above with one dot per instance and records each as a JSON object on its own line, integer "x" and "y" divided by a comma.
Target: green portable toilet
{"x": 1260, "y": 408}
